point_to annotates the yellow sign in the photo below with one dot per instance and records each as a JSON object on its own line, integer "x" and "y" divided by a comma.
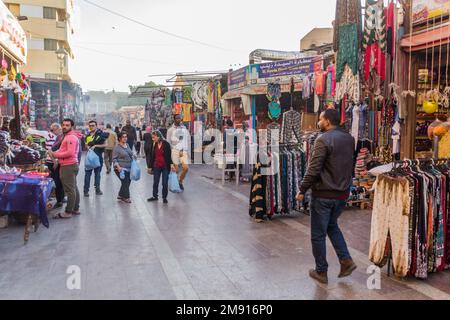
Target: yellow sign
{"x": 429, "y": 9}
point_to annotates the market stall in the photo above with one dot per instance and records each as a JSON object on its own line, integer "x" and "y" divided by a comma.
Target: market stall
{"x": 24, "y": 188}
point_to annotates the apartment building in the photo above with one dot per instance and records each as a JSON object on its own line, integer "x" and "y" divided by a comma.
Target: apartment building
{"x": 49, "y": 29}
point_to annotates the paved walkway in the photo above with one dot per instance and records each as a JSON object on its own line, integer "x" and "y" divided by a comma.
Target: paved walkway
{"x": 202, "y": 245}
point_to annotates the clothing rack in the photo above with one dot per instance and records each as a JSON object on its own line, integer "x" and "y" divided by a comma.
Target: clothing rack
{"x": 410, "y": 162}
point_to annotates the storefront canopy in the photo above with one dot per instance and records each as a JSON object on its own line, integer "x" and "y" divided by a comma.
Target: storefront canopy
{"x": 427, "y": 39}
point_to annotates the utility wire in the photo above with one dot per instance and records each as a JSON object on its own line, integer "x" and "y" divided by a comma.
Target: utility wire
{"x": 125, "y": 57}
{"x": 154, "y": 28}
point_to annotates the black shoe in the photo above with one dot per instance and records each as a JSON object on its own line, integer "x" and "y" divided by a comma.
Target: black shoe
{"x": 152, "y": 199}
{"x": 165, "y": 201}
{"x": 181, "y": 186}
{"x": 86, "y": 194}
{"x": 108, "y": 172}
{"x": 99, "y": 193}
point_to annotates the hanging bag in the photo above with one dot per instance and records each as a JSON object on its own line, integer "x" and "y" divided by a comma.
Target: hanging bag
{"x": 174, "y": 185}
{"x": 135, "y": 172}
{"x": 92, "y": 161}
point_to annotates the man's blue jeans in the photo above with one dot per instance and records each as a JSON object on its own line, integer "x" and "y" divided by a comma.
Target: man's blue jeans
{"x": 88, "y": 174}
{"x": 324, "y": 221}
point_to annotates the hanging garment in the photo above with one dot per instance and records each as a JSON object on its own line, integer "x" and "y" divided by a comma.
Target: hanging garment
{"x": 258, "y": 205}
{"x": 178, "y": 108}
{"x": 375, "y": 59}
{"x": 331, "y": 81}
{"x": 306, "y": 88}
{"x": 316, "y": 103}
{"x": 319, "y": 84}
{"x": 210, "y": 97}
{"x": 347, "y": 12}
{"x": 274, "y": 110}
{"x": 390, "y": 28}
{"x": 375, "y": 24}
{"x": 355, "y": 123}
{"x": 187, "y": 107}
{"x": 291, "y": 127}
{"x": 178, "y": 96}
{"x": 348, "y": 50}
{"x": 391, "y": 217}
{"x": 349, "y": 85}
{"x": 396, "y": 138}
{"x": 247, "y": 103}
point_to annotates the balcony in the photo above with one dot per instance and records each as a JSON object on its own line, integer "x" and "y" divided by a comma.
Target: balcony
{"x": 47, "y": 29}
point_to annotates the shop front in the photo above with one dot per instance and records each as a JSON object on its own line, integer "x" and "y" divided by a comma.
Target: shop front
{"x": 25, "y": 189}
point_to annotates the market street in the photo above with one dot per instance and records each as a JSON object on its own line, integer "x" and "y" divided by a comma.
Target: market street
{"x": 203, "y": 245}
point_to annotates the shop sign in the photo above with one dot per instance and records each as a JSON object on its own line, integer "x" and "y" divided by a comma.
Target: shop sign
{"x": 12, "y": 37}
{"x": 286, "y": 68}
{"x": 237, "y": 79}
{"x": 424, "y": 10}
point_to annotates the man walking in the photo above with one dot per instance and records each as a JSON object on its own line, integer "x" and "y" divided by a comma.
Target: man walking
{"x": 329, "y": 175}
{"x": 131, "y": 134}
{"x": 179, "y": 138}
{"x": 111, "y": 143}
{"x": 96, "y": 140}
{"x": 67, "y": 157}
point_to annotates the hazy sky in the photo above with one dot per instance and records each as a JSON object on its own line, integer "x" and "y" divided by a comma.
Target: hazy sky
{"x": 112, "y": 53}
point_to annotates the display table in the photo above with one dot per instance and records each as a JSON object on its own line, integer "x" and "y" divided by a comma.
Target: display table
{"x": 26, "y": 196}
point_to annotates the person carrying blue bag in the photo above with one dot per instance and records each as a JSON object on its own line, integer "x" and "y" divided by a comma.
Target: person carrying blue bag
{"x": 123, "y": 158}
{"x": 160, "y": 165}
{"x": 96, "y": 142}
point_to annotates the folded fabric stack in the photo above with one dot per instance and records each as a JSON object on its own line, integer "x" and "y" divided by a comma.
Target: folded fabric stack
{"x": 364, "y": 157}
{"x": 24, "y": 156}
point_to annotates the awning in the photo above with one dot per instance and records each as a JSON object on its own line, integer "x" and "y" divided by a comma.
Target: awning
{"x": 261, "y": 89}
{"x": 426, "y": 39}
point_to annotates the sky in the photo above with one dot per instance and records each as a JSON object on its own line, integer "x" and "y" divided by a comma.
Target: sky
{"x": 113, "y": 53}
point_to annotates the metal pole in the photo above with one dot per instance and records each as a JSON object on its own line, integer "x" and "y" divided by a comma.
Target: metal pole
{"x": 61, "y": 116}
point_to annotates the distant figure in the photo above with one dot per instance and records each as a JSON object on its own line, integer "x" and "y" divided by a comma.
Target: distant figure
{"x": 111, "y": 143}
{"x": 122, "y": 159}
{"x": 131, "y": 134}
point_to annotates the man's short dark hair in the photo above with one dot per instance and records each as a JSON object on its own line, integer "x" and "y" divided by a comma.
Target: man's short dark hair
{"x": 72, "y": 123}
{"x": 230, "y": 123}
{"x": 93, "y": 121}
{"x": 108, "y": 126}
{"x": 333, "y": 116}
{"x": 176, "y": 115}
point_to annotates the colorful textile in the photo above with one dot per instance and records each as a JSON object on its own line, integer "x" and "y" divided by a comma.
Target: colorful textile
{"x": 26, "y": 196}
{"x": 375, "y": 24}
{"x": 347, "y": 12}
{"x": 348, "y": 50}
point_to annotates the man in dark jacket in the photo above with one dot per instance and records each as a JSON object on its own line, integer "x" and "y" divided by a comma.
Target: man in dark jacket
{"x": 95, "y": 140}
{"x": 160, "y": 163}
{"x": 131, "y": 134}
{"x": 329, "y": 175}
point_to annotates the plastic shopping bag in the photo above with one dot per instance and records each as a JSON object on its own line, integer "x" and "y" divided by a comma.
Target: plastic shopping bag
{"x": 174, "y": 185}
{"x": 92, "y": 161}
{"x": 135, "y": 172}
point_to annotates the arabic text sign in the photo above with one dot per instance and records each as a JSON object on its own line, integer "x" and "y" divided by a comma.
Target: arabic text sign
{"x": 428, "y": 9}
{"x": 285, "y": 68}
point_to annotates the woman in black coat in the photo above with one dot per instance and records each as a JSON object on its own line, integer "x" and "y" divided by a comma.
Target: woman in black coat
{"x": 160, "y": 164}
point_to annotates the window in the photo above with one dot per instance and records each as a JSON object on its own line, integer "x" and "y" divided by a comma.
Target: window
{"x": 49, "y": 13}
{"x": 50, "y": 45}
{"x": 31, "y": 11}
{"x": 36, "y": 44}
{"x": 14, "y": 8}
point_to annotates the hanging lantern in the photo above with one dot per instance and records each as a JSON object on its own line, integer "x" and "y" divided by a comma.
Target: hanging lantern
{"x": 430, "y": 106}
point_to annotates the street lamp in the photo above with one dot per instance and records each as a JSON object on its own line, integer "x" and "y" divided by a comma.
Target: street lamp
{"x": 61, "y": 54}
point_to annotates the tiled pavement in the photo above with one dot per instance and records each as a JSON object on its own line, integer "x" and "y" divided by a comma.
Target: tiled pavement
{"x": 201, "y": 246}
